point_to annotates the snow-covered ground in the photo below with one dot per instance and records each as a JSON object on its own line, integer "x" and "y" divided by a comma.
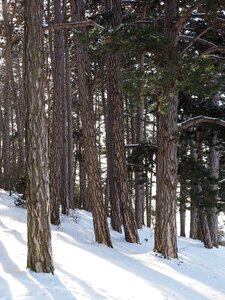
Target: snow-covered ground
{"x": 85, "y": 270}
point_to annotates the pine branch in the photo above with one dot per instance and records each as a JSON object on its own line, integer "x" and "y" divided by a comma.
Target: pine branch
{"x": 195, "y": 40}
{"x": 214, "y": 49}
{"x": 182, "y": 19}
{"x": 83, "y": 24}
{"x": 198, "y": 120}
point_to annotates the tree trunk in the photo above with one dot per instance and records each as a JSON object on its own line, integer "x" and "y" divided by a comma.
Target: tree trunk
{"x": 39, "y": 257}
{"x": 18, "y": 112}
{"x": 193, "y": 192}
{"x": 139, "y": 185}
{"x": 64, "y": 157}
{"x": 165, "y": 230}
{"x": 183, "y": 196}
{"x": 120, "y": 167}
{"x": 70, "y": 125}
{"x": 214, "y": 163}
{"x": 56, "y": 130}
{"x": 205, "y": 229}
{"x": 115, "y": 212}
{"x": 89, "y": 135}
{"x": 6, "y": 135}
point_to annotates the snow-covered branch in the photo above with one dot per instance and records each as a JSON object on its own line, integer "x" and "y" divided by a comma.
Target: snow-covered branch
{"x": 200, "y": 119}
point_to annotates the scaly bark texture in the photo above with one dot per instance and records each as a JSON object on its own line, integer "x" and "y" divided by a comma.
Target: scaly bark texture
{"x": 165, "y": 230}
{"x": 120, "y": 167}
{"x": 89, "y": 135}
{"x": 56, "y": 130}
{"x": 114, "y": 200}
{"x": 39, "y": 257}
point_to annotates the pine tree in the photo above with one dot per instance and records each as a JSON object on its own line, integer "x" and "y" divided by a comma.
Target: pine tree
{"x": 39, "y": 257}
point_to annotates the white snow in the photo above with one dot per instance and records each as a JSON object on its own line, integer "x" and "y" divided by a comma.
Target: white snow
{"x": 85, "y": 270}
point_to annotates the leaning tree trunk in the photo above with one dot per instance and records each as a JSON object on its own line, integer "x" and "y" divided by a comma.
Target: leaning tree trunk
{"x": 39, "y": 257}
{"x": 166, "y": 176}
{"x": 89, "y": 135}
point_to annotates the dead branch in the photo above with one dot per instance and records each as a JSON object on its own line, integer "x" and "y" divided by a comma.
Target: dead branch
{"x": 84, "y": 24}
{"x": 186, "y": 14}
{"x": 198, "y": 120}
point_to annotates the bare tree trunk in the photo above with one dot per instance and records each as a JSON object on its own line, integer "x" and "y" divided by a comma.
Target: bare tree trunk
{"x": 56, "y": 131}
{"x": 89, "y": 135}
{"x": 193, "y": 193}
{"x": 139, "y": 185}
{"x": 214, "y": 163}
{"x": 84, "y": 201}
{"x": 205, "y": 228}
{"x": 64, "y": 157}
{"x": 115, "y": 212}
{"x": 204, "y": 233}
{"x": 6, "y": 135}
{"x": 9, "y": 66}
{"x": 183, "y": 189}
{"x": 39, "y": 257}
{"x": 70, "y": 125}
{"x": 183, "y": 196}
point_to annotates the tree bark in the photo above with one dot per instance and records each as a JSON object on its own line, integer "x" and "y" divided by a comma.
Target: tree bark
{"x": 115, "y": 211}
{"x": 214, "y": 163}
{"x": 39, "y": 257}
{"x": 120, "y": 167}
{"x": 10, "y": 74}
{"x": 183, "y": 196}
{"x": 89, "y": 135}
{"x": 56, "y": 130}
{"x": 139, "y": 185}
{"x": 70, "y": 125}
{"x": 165, "y": 230}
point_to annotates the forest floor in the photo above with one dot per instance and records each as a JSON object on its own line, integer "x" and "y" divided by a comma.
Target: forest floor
{"x": 85, "y": 270}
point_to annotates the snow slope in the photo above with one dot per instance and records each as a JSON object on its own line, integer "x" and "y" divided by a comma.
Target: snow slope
{"x": 85, "y": 270}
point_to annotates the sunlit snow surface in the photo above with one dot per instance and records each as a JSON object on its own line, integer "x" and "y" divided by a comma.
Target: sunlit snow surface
{"x": 85, "y": 270}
